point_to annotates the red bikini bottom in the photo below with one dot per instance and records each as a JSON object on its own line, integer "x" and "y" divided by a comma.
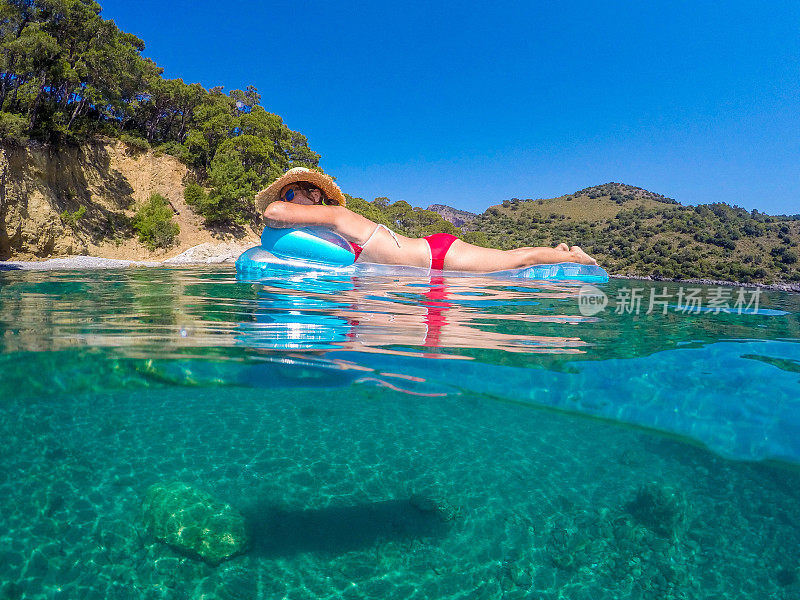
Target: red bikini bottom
{"x": 440, "y": 243}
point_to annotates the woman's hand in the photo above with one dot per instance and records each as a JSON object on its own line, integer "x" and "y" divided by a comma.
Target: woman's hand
{"x": 275, "y": 222}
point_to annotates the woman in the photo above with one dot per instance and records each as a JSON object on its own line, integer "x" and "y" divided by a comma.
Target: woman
{"x": 312, "y": 198}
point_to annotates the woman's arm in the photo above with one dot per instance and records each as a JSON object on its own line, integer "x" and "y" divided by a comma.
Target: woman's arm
{"x": 349, "y": 225}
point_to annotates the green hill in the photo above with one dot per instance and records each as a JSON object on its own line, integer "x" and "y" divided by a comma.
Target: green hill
{"x": 635, "y": 232}
{"x": 599, "y": 202}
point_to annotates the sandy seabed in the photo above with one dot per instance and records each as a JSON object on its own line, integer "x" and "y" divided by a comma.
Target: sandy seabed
{"x": 365, "y": 493}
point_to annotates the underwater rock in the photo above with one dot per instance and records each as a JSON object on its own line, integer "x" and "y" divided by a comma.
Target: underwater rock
{"x": 569, "y": 548}
{"x": 661, "y": 509}
{"x": 427, "y": 504}
{"x": 194, "y": 522}
{"x": 611, "y": 546}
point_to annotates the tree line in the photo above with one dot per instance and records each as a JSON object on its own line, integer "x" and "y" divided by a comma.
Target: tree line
{"x": 67, "y": 74}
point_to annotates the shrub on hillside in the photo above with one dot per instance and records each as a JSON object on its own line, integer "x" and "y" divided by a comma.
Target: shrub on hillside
{"x": 233, "y": 189}
{"x": 13, "y": 127}
{"x": 195, "y": 195}
{"x": 153, "y": 223}
{"x": 215, "y": 208}
{"x": 135, "y": 143}
{"x": 476, "y": 237}
{"x": 72, "y": 218}
{"x": 198, "y": 199}
{"x": 175, "y": 149}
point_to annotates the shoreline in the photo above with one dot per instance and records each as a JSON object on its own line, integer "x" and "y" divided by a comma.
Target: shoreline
{"x": 219, "y": 254}
{"x": 206, "y": 253}
{"x": 778, "y": 287}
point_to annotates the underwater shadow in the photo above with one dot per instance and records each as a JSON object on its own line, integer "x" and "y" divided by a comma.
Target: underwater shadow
{"x": 337, "y": 529}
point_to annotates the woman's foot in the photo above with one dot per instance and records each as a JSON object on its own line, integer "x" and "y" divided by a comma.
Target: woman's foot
{"x": 579, "y": 256}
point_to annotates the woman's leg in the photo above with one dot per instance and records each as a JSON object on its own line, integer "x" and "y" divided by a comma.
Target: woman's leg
{"x": 561, "y": 246}
{"x": 466, "y": 257}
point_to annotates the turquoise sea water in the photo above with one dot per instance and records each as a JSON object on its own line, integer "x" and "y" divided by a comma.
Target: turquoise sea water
{"x": 399, "y": 437}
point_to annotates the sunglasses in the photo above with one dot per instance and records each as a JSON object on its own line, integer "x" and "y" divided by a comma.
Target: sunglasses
{"x": 288, "y": 196}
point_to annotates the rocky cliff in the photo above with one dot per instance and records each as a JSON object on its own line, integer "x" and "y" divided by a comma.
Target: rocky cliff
{"x": 42, "y": 190}
{"x": 456, "y": 216}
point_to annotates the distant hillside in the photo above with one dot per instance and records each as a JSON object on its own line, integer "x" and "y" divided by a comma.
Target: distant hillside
{"x": 635, "y": 232}
{"x": 630, "y": 231}
{"x": 598, "y": 202}
{"x": 456, "y": 216}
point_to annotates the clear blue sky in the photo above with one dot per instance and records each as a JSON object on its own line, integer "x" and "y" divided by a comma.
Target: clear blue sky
{"x": 470, "y": 103}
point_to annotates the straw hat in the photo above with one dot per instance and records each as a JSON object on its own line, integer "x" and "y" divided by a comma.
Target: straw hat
{"x": 322, "y": 181}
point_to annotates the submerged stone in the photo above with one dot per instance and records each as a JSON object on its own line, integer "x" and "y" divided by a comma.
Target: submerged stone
{"x": 661, "y": 509}
{"x": 194, "y": 522}
{"x": 428, "y": 504}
